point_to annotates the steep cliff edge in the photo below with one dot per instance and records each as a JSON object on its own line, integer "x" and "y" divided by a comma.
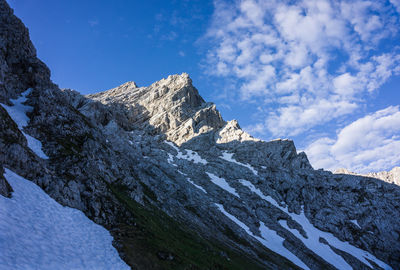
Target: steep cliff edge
{"x": 176, "y": 185}
{"x": 19, "y": 67}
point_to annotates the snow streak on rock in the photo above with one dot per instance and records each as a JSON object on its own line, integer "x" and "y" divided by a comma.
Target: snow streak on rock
{"x": 229, "y": 157}
{"x": 18, "y": 114}
{"x": 355, "y": 222}
{"x": 171, "y": 160}
{"x": 199, "y": 187}
{"x": 194, "y": 156}
{"x": 38, "y": 233}
{"x": 269, "y": 238}
{"x": 221, "y": 182}
{"x": 190, "y": 155}
{"x": 314, "y": 234}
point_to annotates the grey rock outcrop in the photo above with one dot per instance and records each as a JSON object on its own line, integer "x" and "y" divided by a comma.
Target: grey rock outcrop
{"x": 158, "y": 165}
{"x": 232, "y": 132}
{"x": 171, "y": 106}
{"x": 392, "y": 176}
{"x": 19, "y": 66}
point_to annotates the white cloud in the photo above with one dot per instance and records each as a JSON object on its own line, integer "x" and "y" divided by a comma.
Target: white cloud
{"x": 295, "y": 119}
{"x": 396, "y": 3}
{"x": 371, "y": 143}
{"x": 345, "y": 84}
{"x": 314, "y": 60}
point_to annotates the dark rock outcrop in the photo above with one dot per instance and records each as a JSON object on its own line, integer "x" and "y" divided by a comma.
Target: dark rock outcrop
{"x": 19, "y": 67}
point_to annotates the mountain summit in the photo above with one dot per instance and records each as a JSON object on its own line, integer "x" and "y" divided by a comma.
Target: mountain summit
{"x": 175, "y": 185}
{"x": 171, "y": 106}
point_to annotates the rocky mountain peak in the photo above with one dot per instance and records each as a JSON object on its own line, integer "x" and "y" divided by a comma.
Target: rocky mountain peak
{"x": 175, "y": 81}
{"x": 128, "y": 86}
{"x": 179, "y": 90}
{"x": 171, "y": 106}
{"x": 232, "y": 132}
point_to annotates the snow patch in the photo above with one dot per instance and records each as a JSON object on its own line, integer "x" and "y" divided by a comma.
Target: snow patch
{"x": 269, "y": 238}
{"x": 234, "y": 219}
{"x": 172, "y": 145}
{"x": 194, "y": 156}
{"x": 181, "y": 172}
{"x": 260, "y": 194}
{"x": 229, "y": 157}
{"x": 36, "y": 232}
{"x": 18, "y": 115}
{"x": 199, "y": 187}
{"x": 274, "y": 242}
{"x": 171, "y": 159}
{"x": 314, "y": 234}
{"x": 190, "y": 155}
{"x": 221, "y": 182}
{"x": 354, "y": 221}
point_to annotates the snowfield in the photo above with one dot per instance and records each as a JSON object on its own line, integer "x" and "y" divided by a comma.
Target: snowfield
{"x": 36, "y": 232}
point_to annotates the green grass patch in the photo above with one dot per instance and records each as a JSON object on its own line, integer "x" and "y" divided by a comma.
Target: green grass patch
{"x": 156, "y": 234}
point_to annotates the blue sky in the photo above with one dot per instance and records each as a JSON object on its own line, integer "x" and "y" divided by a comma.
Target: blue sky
{"x": 323, "y": 73}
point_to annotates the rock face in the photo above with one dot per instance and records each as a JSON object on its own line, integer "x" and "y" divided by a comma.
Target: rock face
{"x": 171, "y": 106}
{"x": 180, "y": 188}
{"x": 19, "y": 66}
{"x": 392, "y": 176}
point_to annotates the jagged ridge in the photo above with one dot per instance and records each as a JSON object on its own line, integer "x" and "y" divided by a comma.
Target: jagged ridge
{"x": 170, "y": 106}
{"x": 392, "y": 176}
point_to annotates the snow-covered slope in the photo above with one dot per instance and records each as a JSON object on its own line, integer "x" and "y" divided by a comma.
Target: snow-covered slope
{"x": 36, "y": 232}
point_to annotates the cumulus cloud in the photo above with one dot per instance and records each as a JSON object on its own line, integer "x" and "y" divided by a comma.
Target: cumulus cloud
{"x": 371, "y": 143}
{"x": 313, "y": 60}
